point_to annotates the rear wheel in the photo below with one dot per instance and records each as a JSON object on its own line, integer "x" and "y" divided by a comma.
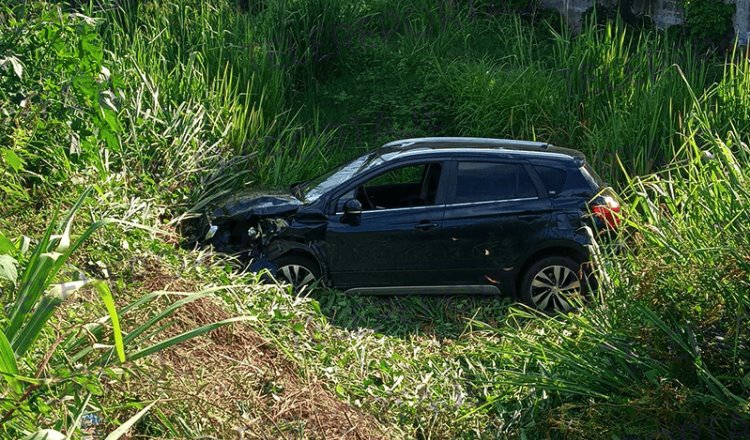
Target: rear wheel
{"x": 298, "y": 270}
{"x": 553, "y": 284}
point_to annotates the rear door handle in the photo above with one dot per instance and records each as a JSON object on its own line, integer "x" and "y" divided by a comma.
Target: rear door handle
{"x": 425, "y": 225}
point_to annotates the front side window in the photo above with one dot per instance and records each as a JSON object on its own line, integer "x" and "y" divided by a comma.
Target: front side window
{"x": 488, "y": 181}
{"x": 403, "y": 187}
{"x": 315, "y": 188}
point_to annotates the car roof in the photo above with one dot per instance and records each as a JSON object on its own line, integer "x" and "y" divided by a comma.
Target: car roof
{"x": 458, "y": 146}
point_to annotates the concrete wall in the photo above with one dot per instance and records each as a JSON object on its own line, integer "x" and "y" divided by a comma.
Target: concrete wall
{"x": 742, "y": 21}
{"x": 664, "y": 13}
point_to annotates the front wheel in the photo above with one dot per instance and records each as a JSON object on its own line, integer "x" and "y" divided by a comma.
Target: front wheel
{"x": 298, "y": 270}
{"x": 553, "y": 285}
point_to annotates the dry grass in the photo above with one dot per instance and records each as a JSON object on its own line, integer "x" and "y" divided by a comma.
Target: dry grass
{"x": 233, "y": 383}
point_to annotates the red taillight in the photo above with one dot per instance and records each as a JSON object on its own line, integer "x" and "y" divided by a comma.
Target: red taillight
{"x": 608, "y": 210}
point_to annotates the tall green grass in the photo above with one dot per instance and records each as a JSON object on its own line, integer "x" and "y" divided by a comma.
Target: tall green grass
{"x": 216, "y": 98}
{"x": 195, "y": 87}
{"x": 167, "y": 107}
{"x": 184, "y": 92}
{"x": 610, "y": 92}
{"x": 53, "y": 347}
{"x": 672, "y": 323}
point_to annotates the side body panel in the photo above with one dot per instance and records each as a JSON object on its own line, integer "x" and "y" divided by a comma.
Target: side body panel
{"x": 485, "y": 242}
{"x": 384, "y": 248}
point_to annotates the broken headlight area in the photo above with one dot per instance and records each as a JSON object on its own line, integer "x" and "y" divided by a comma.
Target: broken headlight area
{"x": 244, "y": 224}
{"x": 247, "y": 239}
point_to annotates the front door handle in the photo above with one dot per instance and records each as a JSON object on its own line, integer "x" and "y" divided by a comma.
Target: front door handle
{"x": 425, "y": 225}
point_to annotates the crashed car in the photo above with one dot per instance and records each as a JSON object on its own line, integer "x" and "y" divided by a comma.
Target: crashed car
{"x": 433, "y": 216}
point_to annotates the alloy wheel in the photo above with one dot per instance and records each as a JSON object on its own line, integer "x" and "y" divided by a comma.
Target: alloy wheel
{"x": 296, "y": 275}
{"x": 555, "y": 287}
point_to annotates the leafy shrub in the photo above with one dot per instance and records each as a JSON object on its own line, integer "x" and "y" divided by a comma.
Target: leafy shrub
{"x": 58, "y": 103}
{"x": 708, "y": 20}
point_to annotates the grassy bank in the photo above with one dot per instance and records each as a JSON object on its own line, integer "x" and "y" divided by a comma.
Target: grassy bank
{"x": 163, "y": 108}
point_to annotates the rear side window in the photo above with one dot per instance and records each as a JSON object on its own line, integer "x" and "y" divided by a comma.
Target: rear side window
{"x": 552, "y": 178}
{"x": 487, "y": 181}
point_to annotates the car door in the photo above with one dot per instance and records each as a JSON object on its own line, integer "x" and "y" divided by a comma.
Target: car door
{"x": 392, "y": 242}
{"x": 493, "y": 209}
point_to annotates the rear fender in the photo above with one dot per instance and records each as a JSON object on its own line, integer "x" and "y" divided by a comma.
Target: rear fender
{"x": 564, "y": 248}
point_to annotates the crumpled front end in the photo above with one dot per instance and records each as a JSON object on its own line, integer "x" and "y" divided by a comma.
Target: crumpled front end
{"x": 244, "y": 226}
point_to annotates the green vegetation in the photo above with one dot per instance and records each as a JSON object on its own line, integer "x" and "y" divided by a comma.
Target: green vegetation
{"x": 708, "y": 20}
{"x": 162, "y": 108}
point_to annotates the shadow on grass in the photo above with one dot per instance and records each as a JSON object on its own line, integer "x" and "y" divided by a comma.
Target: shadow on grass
{"x": 415, "y": 315}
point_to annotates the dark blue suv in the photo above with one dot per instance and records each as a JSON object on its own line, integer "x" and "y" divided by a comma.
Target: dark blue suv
{"x": 433, "y": 215}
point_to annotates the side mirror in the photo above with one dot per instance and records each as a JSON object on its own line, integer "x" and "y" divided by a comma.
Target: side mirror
{"x": 352, "y": 207}
{"x": 294, "y": 189}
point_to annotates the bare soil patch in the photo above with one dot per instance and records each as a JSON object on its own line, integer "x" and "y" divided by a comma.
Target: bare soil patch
{"x": 235, "y": 384}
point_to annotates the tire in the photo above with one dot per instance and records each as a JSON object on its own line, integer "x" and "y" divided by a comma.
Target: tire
{"x": 298, "y": 270}
{"x": 554, "y": 285}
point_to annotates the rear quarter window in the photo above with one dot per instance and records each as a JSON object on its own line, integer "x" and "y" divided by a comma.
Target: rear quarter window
{"x": 557, "y": 180}
{"x": 583, "y": 179}
{"x": 553, "y": 178}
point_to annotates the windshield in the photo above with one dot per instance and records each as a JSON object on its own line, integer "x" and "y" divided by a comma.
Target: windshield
{"x": 315, "y": 188}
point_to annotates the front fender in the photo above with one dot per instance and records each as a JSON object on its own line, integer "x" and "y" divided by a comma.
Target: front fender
{"x": 279, "y": 247}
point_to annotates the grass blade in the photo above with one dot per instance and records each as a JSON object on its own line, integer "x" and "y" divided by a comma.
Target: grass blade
{"x": 164, "y": 313}
{"x": 109, "y": 302}
{"x": 33, "y": 283}
{"x": 122, "y": 429}
{"x": 8, "y": 365}
{"x": 50, "y": 301}
{"x": 182, "y": 337}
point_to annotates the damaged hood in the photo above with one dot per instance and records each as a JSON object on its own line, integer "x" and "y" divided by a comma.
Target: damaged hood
{"x": 244, "y": 207}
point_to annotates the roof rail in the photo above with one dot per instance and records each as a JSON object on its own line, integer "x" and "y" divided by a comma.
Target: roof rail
{"x": 508, "y": 143}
